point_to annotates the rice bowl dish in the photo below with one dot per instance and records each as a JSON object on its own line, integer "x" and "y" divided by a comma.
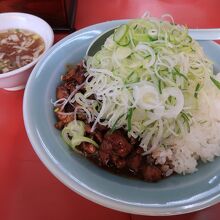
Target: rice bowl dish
{"x": 174, "y": 195}
{"x": 146, "y": 104}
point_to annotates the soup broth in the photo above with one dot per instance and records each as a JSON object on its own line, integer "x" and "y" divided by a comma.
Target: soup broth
{"x": 19, "y": 47}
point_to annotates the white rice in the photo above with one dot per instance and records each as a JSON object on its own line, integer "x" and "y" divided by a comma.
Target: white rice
{"x": 203, "y": 141}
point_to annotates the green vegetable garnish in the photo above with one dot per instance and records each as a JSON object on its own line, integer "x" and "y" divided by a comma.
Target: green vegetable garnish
{"x": 114, "y": 125}
{"x": 159, "y": 86}
{"x": 198, "y": 87}
{"x": 129, "y": 116}
{"x": 155, "y": 67}
{"x": 120, "y": 35}
{"x": 73, "y": 134}
{"x": 180, "y": 74}
{"x": 216, "y": 82}
{"x": 186, "y": 120}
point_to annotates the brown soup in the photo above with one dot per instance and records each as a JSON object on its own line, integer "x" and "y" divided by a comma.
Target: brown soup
{"x": 19, "y": 47}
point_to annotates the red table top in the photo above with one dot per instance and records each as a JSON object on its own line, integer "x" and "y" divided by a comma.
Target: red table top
{"x": 27, "y": 189}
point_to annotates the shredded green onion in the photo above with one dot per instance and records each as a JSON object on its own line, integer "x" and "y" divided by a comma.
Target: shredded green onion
{"x": 216, "y": 82}
{"x": 160, "y": 86}
{"x": 73, "y": 134}
{"x": 198, "y": 87}
{"x": 129, "y": 116}
{"x": 151, "y": 70}
{"x": 114, "y": 125}
{"x": 180, "y": 74}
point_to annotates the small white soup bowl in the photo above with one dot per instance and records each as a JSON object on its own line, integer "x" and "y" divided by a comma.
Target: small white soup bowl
{"x": 16, "y": 79}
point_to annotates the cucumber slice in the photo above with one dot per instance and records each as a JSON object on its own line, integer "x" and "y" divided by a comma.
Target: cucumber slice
{"x": 120, "y": 32}
{"x": 141, "y": 37}
{"x": 124, "y": 41}
{"x": 123, "y": 52}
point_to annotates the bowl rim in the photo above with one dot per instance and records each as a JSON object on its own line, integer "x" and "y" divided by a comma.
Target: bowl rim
{"x": 50, "y": 43}
{"x": 74, "y": 185}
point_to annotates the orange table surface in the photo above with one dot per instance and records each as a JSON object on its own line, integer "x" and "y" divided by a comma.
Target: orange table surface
{"x": 28, "y": 191}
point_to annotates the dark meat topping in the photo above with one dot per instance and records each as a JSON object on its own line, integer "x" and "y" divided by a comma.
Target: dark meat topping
{"x": 114, "y": 148}
{"x": 151, "y": 173}
{"x": 96, "y": 135}
{"x": 101, "y": 128}
{"x": 76, "y": 75}
{"x": 116, "y": 143}
{"x": 104, "y": 157}
{"x": 70, "y": 86}
{"x": 62, "y": 92}
{"x": 116, "y": 151}
{"x": 88, "y": 148}
{"x": 64, "y": 119}
{"x": 59, "y": 125}
{"x": 135, "y": 159}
